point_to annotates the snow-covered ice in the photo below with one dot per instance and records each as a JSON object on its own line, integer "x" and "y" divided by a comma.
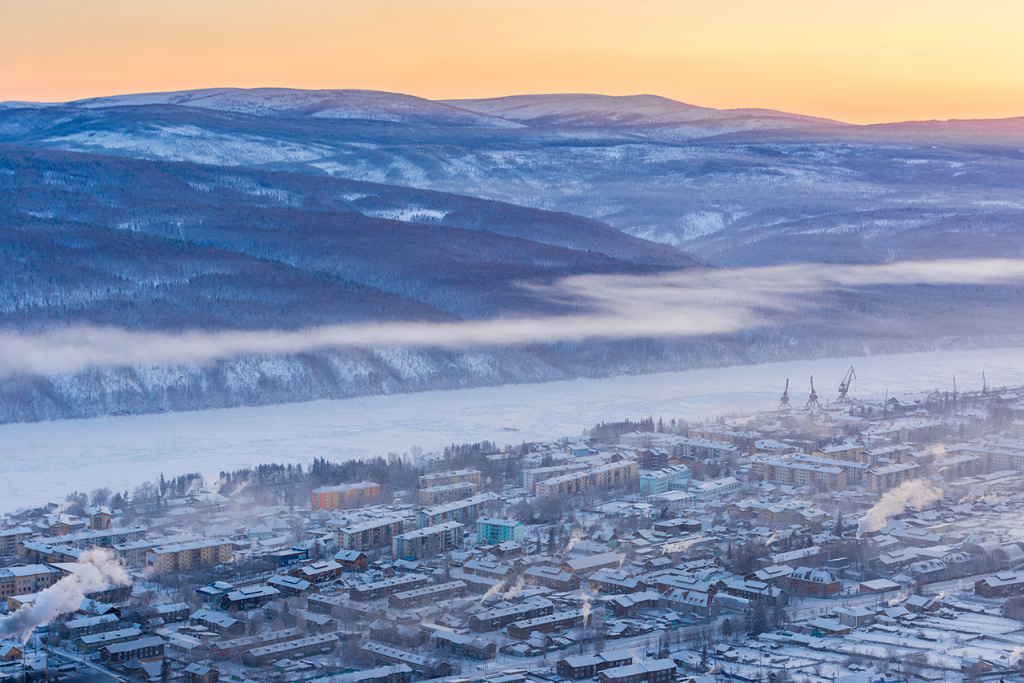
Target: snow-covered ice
{"x": 45, "y": 461}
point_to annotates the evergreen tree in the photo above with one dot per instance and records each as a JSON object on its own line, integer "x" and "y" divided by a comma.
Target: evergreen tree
{"x": 727, "y": 629}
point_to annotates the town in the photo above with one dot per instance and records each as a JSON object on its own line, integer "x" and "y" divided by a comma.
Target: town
{"x": 823, "y": 540}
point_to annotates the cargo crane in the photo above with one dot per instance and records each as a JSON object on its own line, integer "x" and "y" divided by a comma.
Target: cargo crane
{"x": 844, "y": 386}
{"x": 812, "y": 400}
{"x": 784, "y": 401}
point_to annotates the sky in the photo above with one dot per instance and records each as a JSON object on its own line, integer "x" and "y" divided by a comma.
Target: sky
{"x": 862, "y": 62}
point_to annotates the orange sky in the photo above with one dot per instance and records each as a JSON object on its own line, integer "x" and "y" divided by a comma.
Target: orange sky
{"x": 863, "y": 61}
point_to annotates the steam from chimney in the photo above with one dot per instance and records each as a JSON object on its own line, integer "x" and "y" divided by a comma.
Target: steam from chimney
{"x": 98, "y": 569}
{"x": 586, "y": 607}
{"x": 915, "y": 494}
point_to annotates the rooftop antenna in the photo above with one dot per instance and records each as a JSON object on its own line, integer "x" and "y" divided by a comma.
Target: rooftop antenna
{"x": 844, "y": 386}
{"x": 812, "y": 400}
{"x": 784, "y": 401}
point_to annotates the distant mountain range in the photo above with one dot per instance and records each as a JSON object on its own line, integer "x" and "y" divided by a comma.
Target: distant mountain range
{"x": 281, "y": 209}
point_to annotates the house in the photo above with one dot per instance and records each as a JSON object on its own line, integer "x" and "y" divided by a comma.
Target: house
{"x": 1001, "y": 585}
{"x": 427, "y": 594}
{"x": 175, "y": 611}
{"x": 291, "y": 586}
{"x": 142, "y": 649}
{"x": 554, "y": 578}
{"x": 615, "y": 583}
{"x": 249, "y": 597}
{"x": 225, "y": 649}
{"x": 651, "y": 671}
{"x": 292, "y": 649}
{"x": 399, "y": 673}
{"x": 557, "y": 621}
{"x": 93, "y": 642}
{"x": 75, "y": 628}
{"x": 695, "y": 602}
{"x": 386, "y": 587}
{"x": 319, "y": 572}
{"x": 218, "y": 622}
{"x": 592, "y": 563}
{"x": 10, "y": 652}
{"x": 197, "y": 673}
{"x": 805, "y": 581}
{"x": 466, "y": 646}
{"x": 630, "y": 605}
{"x": 855, "y": 617}
{"x": 499, "y": 617}
{"x": 588, "y": 666}
{"x": 919, "y": 603}
{"x": 351, "y": 560}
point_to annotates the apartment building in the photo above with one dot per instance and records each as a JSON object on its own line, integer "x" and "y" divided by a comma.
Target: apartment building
{"x": 615, "y": 474}
{"x": 881, "y": 479}
{"x": 23, "y": 579}
{"x": 493, "y": 531}
{"x": 798, "y": 473}
{"x": 184, "y": 556}
{"x": 530, "y": 478}
{"x": 428, "y": 541}
{"x": 375, "y": 533}
{"x": 11, "y": 539}
{"x": 344, "y": 496}
{"x": 437, "y": 495}
{"x": 571, "y": 484}
{"x": 450, "y": 477}
{"x": 464, "y": 511}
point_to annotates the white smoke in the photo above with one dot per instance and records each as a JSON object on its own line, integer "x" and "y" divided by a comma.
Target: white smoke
{"x": 577, "y": 536}
{"x": 915, "y": 494}
{"x": 774, "y": 537}
{"x": 493, "y": 590}
{"x": 692, "y": 302}
{"x": 98, "y": 569}
{"x": 514, "y": 590}
{"x": 586, "y": 608}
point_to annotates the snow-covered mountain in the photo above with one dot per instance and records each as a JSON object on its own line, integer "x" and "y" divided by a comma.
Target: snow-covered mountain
{"x": 735, "y": 187}
{"x": 369, "y": 105}
{"x": 634, "y": 111}
{"x": 229, "y": 209}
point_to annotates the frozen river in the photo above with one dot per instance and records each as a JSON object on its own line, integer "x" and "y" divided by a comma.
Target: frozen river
{"x": 45, "y": 461}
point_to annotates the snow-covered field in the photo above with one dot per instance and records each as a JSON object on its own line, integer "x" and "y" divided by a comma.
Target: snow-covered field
{"x": 44, "y": 461}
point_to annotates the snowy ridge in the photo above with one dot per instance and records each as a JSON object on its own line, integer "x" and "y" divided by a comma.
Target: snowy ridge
{"x": 369, "y": 105}
{"x": 631, "y": 110}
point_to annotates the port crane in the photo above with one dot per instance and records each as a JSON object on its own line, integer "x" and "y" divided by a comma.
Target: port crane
{"x": 844, "y": 386}
{"x": 784, "y": 401}
{"x": 812, "y": 400}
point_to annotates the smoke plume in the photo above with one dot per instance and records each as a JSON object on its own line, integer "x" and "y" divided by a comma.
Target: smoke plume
{"x": 98, "y": 569}
{"x": 577, "y": 536}
{"x": 915, "y": 494}
{"x": 586, "y": 608}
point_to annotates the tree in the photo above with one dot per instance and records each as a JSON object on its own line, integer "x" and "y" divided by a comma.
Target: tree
{"x": 704, "y": 664}
{"x": 165, "y": 670}
{"x": 727, "y": 629}
{"x": 757, "y": 619}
